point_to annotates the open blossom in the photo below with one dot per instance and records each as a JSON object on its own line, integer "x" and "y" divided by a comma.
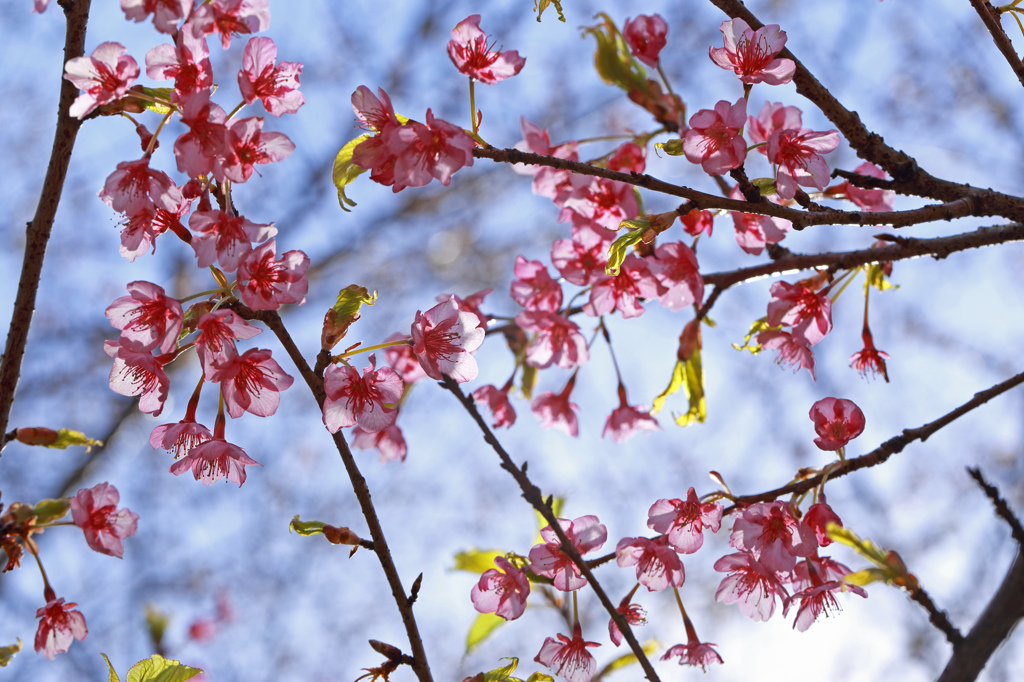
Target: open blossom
{"x": 498, "y": 403}
{"x": 675, "y": 267}
{"x": 166, "y": 13}
{"x": 869, "y": 359}
{"x": 389, "y": 442}
{"x": 104, "y": 76}
{"x": 695, "y": 653}
{"x": 187, "y": 62}
{"x": 837, "y": 421}
{"x": 134, "y": 186}
{"x": 792, "y": 352}
{"x": 197, "y": 150}
{"x": 471, "y": 304}
{"x": 797, "y": 153}
{"x": 147, "y": 317}
{"x": 471, "y": 55}
{"x": 581, "y": 260}
{"x": 213, "y": 460}
{"x": 252, "y": 382}
{"x": 586, "y": 533}
{"x": 180, "y": 437}
{"x": 628, "y": 157}
{"x": 646, "y": 36}
{"x": 657, "y": 565}
{"x": 139, "y": 373}
{"x": 557, "y": 340}
{"x": 568, "y": 657}
{"x": 95, "y": 511}
{"x": 684, "y": 522}
{"x": 625, "y": 421}
{"x": 624, "y": 291}
{"x": 403, "y": 360}
{"x": 215, "y": 343}
{"x": 246, "y": 145}
{"x": 773, "y": 116}
{"x": 142, "y": 228}
{"x": 533, "y": 287}
{"x": 598, "y": 205}
{"x": 553, "y": 183}
{"x": 817, "y": 580}
{"x": 754, "y": 231}
{"x": 809, "y": 312}
{"x": 413, "y": 154}
{"x": 869, "y": 199}
{"x": 225, "y": 239}
{"x": 502, "y": 591}
{"x": 230, "y": 17}
{"x": 633, "y": 614}
{"x": 276, "y": 85}
{"x": 58, "y": 627}
{"x": 714, "y": 139}
{"x": 366, "y": 400}
{"x": 266, "y": 283}
{"x": 444, "y": 338}
{"x": 697, "y": 222}
{"x": 556, "y": 411}
{"x": 771, "y": 533}
{"x": 750, "y": 584}
{"x": 751, "y": 54}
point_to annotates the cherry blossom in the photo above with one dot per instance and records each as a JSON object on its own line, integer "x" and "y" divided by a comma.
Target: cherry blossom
{"x": 104, "y": 76}
{"x": 646, "y": 37}
{"x": 633, "y": 614}
{"x": 623, "y": 291}
{"x": 751, "y": 54}
{"x": 230, "y": 17}
{"x": 142, "y": 228}
{"x": 166, "y": 13}
{"x": 58, "y": 627}
{"x": 553, "y": 183}
{"x": 792, "y": 352}
{"x": 629, "y": 157}
{"x": 626, "y": 421}
{"x": 771, "y": 533}
{"x": 213, "y": 460}
{"x": 215, "y": 343}
{"x": 403, "y": 359}
{"x": 798, "y": 156}
{"x": 809, "y": 312}
{"x": 557, "y": 340}
{"x": 276, "y": 85}
{"x": 252, "y": 382}
{"x": 657, "y": 564}
{"x": 818, "y": 517}
{"x": 556, "y": 411}
{"x": 869, "y": 359}
{"x": 225, "y": 239}
{"x": 471, "y": 304}
{"x": 533, "y": 287}
{"x": 582, "y": 259}
{"x": 39, "y": 6}
{"x": 471, "y": 55}
{"x": 197, "y": 150}
{"x": 366, "y": 400}
{"x": 697, "y": 222}
{"x": 139, "y": 373}
{"x": 180, "y": 437}
{"x": 817, "y": 581}
{"x": 837, "y": 421}
{"x": 675, "y": 267}
{"x": 502, "y": 591}
{"x": 266, "y": 283}
{"x": 420, "y": 153}
{"x": 695, "y": 653}
{"x": 754, "y": 231}
{"x": 869, "y": 199}
{"x": 586, "y": 533}
{"x": 568, "y": 657}
{"x": 684, "y": 522}
{"x": 147, "y": 317}
{"x": 187, "y": 62}
{"x": 714, "y": 139}
{"x": 134, "y": 187}
{"x": 750, "y": 584}
{"x": 245, "y": 145}
{"x": 498, "y": 403}
{"x": 599, "y": 205}
{"x": 95, "y": 511}
{"x": 444, "y": 338}
{"x": 389, "y": 442}
{"x": 773, "y": 116}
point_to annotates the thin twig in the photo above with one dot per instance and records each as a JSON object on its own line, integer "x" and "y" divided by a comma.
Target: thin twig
{"x": 532, "y": 494}
{"x": 937, "y": 616}
{"x": 990, "y": 17}
{"x": 1002, "y": 508}
{"x": 37, "y": 234}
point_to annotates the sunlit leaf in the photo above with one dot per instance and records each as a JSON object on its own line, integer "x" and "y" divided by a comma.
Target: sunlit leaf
{"x": 503, "y": 674}
{"x": 482, "y": 627}
{"x": 528, "y": 381}
{"x": 759, "y": 326}
{"x": 159, "y": 669}
{"x": 476, "y": 560}
{"x": 622, "y": 246}
{"x": 112, "y": 675}
{"x": 678, "y": 377}
{"x": 540, "y": 677}
{"x": 877, "y": 278}
{"x": 46, "y": 511}
{"x": 693, "y": 384}
{"x": 305, "y": 527}
{"x": 345, "y": 171}
{"x": 540, "y": 5}
{"x": 7, "y": 653}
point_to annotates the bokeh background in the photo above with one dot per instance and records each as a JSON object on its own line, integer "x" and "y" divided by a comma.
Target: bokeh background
{"x": 926, "y": 76}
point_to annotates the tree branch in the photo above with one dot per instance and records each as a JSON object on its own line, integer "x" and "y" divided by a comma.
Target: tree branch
{"x": 990, "y": 17}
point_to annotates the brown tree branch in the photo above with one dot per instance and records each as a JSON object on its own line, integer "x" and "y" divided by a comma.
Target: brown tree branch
{"x": 990, "y": 17}
{"x": 37, "y": 233}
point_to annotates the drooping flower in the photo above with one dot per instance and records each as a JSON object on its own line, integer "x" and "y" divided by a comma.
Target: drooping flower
{"x": 95, "y": 511}
{"x": 58, "y": 627}
{"x": 366, "y": 400}
{"x": 751, "y": 54}
{"x": 556, "y": 411}
{"x": 586, "y": 533}
{"x": 626, "y": 421}
{"x": 755, "y": 231}
{"x": 197, "y": 150}
{"x": 276, "y": 85}
{"x": 568, "y": 657}
{"x": 869, "y": 199}
{"x": 498, "y": 403}
{"x": 166, "y": 13}
{"x": 230, "y": 17}
{"x": 684, "y": 522}
{"x": 675, "y": 267}
{"x": 773, "y": 535}
{"x": 818, "y": 579}
{"x": 213, "y": 460}
{"x": 792, "y": 352}
{"x": 444, "y": 338}
{"x": 557, "y": 340}
{"x": 134, "y": 187}
{"x": 139, "y": 373}
{"x": 252, "y": 382}
{"x": 797, "y": 153}
{"x": 389, "y": 442}
{"x": 633, "y": 614}
{"x": 646, "y": 37}
{"x": 714, "y": 139}
{"x": 808, "y": 311}
{"x": 502, "y": 591}
{"x": 695, "y": 653}
{"x": 837, "y": 421}
{"x": 179, "y": 437}
{"x": 215, "y": 343}
{"x": 147, "y": 317}
{"x": 657, "y": 565}
{"x": 104, "y": 76}
{"x": 266, "y": 283}
{"x": 472, "y": 56}
{"x": 533, "y": 288}
{"x": 750, "y": 584}
{"x": 869, "y": 359}
{"x": 225, "y": 239}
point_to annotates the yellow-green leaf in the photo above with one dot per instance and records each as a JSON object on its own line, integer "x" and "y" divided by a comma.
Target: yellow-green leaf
{"x": 46, "y": 511}
{"x": 627, "y": 659}
{"x": 612, "y": 58}
{"x": 477, "y": 560}
{"x": 540, "y": 677}
{"x": 621, "y": 247}
{"x": 865, "y": 577}
{"x": 678, "y": 377}
{"x": 156, "y": 668}
{"x": 876, "y": 278}
{"x": 540, "y": 5}
{"x": 690, "y": 376}
{"x": 483, "y": 626}
{"x": 671, "y": 147}
{"x": 7, "y": 653}
{"x": 528, "y": 381}
{"x": 759, "y": 326}
{"x": 305, "y": 527}
{"x": 345, "y": 171}
{"x": 503, "y": 674}
{"x": 158, "y": 93}
{"x": 112, "y": 675}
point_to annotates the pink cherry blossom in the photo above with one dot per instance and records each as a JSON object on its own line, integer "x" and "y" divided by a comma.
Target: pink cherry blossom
{"x": 837, "y": 421}
{"x": 187, "y": 62}
{"x": 697, "y": 222}
{"x": 533, "y": 288}
{"x": 818, "y": 517}
{"x": 581, "y": 260}
{"x": 389, "y": 442}
{"x": 39, "y": 6}
{"x": 792, "y": 352}
{"x": 230, "y": 17}
{"x": 276, "y": 85}
{"x": 646, "y": 36}
{"x": 557, "y": 340}
{"x": 556, "y": 411}
{"x": 215, "y": 343}
{"x": 95, "y": 511}
{"x": 147, "y": 317}
{"x": 568, "y": 657}
{"x": 629, "y": 157}
{"x": 816, "y": 581}
{"x": 809, "y": 312}
{"x": 252, "y": 382}
{"x": 751, "y": 54}
{"x": 798, "y": 156}
{"x": 196, "y": 151}
{"x": 142, "y": 228}
{"x": 553, "y": 183}
{"x": 134, "y": 186}
{"x": 754, "y": 232}
{"x": 869, "y": 199}
{"x": 213, "y": 460}
{"x": 684, "y": 522}
{"x": 472, "y": 56}
{"x": 773, "y": 116}
{"x": 586, "y": 533}
{"x": 498, "y": 403}
{"x": 180, "y": 437}
{"x": 166, "y": 13}
{"x": 771, "y": 533}
{"x": 599, "y": 205}
{"x": 403, "y": 360}
{"x": 714, "y": 139}
{"x": 869, "y": 359}
{"x": 675, "y": 267}
{"x": 266, "y": 283}
{"x": 502, "y": 591}
{"x": 246, "y": 145}
{"x": 657, "y": 565}
{"x": 225, "y": 239}
{"x": 58, "y": 627}
{"x": 624, "y": 291}
{"x": 626, "y": 421}
{"x": 633, "y": 614}
{"x": 104, "y": 76}
{"x": 750, "y": 584}
{"x": 695, "y": 653}
{"x": 471, "y": 304}
{"x": 366, "y": 400}
{"x": 139, "y": 373}
{"x": 420, "y": 153}
{"x": 444, "y": 338}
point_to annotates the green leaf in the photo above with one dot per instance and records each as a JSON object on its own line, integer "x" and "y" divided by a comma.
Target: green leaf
{"x": 112, "y": 675}
{"x": 477, "y": 560}
{"x": 876, "y": 278}
{"x": 528, "y": 381}
{"x": 7, "y": 653}
{"x": 159, "y": 669}
{"x": 765, "y": 185}
{"x": 482, "y": 627}
{"x": 678, "y": 378}
{"x": 540, "y": 5}
{"x": 865, "y": 577}
{"x": 627, "y": 659}
{"x": 305, "y": 528}
{"x": 345, "y": 171}
{"x": 671, "y": 147}
{"x": 503, "y": 674}
{"x": 612, "y": 58}
{"x": 46, "y": 511}
{"x": 693, "y": 383}
{"x": 759, "y": 326}
{"x": 540, "y": 677}
{"x": 621, "y": 247}
{"x": 158, "y": 93}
